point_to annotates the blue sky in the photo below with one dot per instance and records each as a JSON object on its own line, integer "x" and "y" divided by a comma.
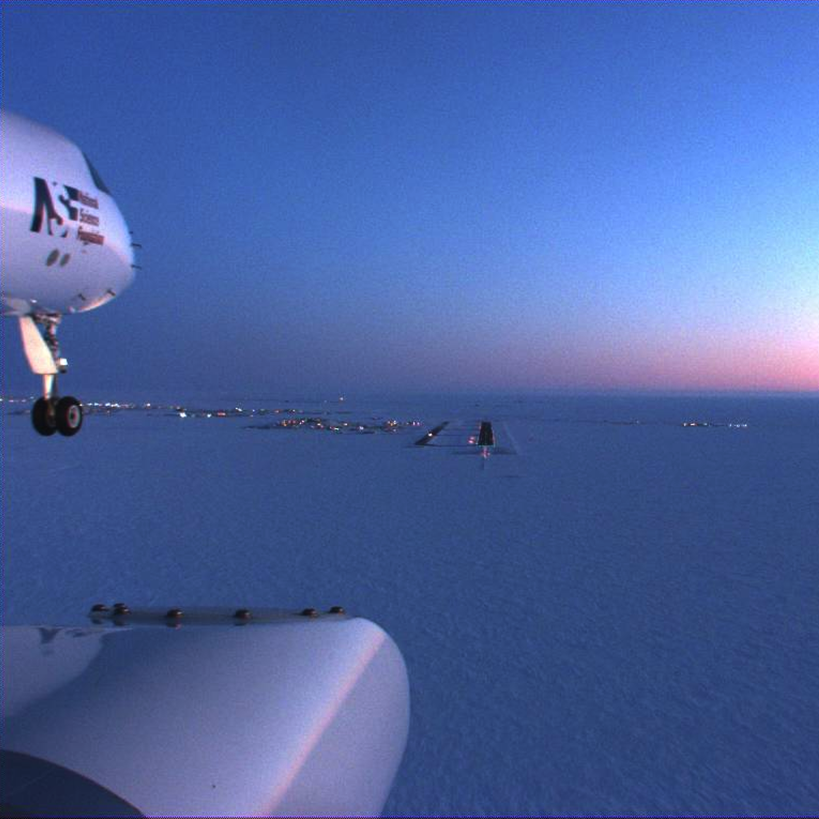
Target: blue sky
{"x": 342, "y": 197}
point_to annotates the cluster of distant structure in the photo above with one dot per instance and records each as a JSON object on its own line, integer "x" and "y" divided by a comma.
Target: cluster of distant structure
{"x": 712, "y": 424}
{"x": 636, "y": 423}
{"x": 294, "y": 418}
{"x": 306, "y": 419}
{"x": 349, "y": 427}
{"x": 89, "y": 407}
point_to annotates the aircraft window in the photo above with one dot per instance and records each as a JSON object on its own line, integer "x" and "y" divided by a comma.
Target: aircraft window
{"x": 96, "y": 177}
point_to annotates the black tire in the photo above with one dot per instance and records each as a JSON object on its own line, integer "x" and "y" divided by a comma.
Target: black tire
{"x": 69, "y": 415}
{"x": 43, "y": 418}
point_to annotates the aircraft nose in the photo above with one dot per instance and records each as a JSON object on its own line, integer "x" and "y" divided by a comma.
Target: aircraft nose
{"x": 121, "y": 246}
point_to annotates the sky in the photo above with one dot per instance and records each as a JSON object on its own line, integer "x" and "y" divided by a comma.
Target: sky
{"x": 336, "y": 198}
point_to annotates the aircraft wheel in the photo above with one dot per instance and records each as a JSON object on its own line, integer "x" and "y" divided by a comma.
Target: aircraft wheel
{"x": 43, "y": 417}
{"x": 69, "y": 415}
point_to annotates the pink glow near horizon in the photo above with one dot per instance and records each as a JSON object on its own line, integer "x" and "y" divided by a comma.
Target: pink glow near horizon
{"x": 762, "y": 364}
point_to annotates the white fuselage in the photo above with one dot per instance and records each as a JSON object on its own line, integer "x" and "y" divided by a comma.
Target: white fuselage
{"x": 64, "y": 246}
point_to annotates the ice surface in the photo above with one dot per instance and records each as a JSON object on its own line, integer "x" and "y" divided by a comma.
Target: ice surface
{"x": 621, "y": 618}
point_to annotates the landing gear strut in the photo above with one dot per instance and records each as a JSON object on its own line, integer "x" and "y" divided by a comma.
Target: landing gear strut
{"x": 50, "y": 413}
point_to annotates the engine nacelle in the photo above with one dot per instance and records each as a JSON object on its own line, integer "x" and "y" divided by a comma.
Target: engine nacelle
{"x": 201, "y": 713}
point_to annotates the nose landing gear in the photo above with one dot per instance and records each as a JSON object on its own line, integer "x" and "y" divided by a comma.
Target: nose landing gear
{"x": 50, "y": 413}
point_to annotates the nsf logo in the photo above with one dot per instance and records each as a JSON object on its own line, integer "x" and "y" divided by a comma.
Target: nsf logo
{"x": 77, "y": 207}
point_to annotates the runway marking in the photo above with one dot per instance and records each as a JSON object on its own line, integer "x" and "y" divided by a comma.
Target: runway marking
{"x": 470, "y": 437}
{"x": 486, "y": 437}
{"x": 431, "y": 435}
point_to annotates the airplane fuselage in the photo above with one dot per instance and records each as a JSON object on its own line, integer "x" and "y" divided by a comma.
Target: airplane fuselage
{"x": 64, "y": 245}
